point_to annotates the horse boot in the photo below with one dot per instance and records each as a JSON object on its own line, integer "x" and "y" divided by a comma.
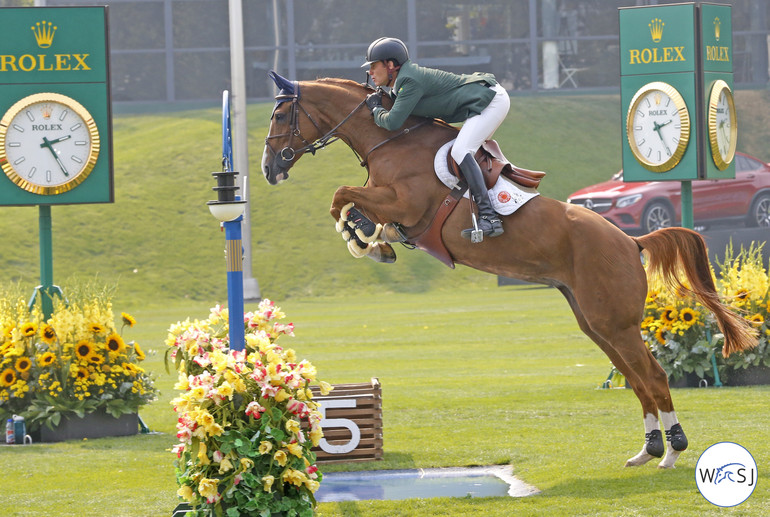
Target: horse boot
{"x": 489, "y": 222}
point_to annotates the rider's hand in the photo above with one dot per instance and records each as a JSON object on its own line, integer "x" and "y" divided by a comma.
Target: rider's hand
{"x": 374, "y": 100}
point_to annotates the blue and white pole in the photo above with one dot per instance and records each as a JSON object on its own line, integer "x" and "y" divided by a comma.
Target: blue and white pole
{"x": 228, "y": 209}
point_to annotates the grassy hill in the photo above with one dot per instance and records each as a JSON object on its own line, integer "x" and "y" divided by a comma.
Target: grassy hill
{"x": 159, "y": 242}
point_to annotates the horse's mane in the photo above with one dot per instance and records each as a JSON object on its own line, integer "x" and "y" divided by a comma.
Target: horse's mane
{"x": 346, "y": 84}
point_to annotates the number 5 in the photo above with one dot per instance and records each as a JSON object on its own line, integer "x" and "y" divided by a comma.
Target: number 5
{"x": 348, "y": 424}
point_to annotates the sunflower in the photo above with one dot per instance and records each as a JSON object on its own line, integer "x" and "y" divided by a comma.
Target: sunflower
{"x": 128, "y": 319}
{"x": 83, "y": 349}
{"x": 757, "y": 320}
{"x": 668, "y": 315}
{"x": 96, "y": 328}
{"x": 688, "y": 316}
{"x": 95, "y": 359}
{"x": 46, "y": 359}
{"x": 660, "y": 335}
{"x": 115, "y": 343}
{"x": 8, "y": 377}
{"x": 23, "y": 364}
{"x": 82, "y": 373}
{"x": 48, "y": 334}
{"x": 28, "y": 329}
{"x": 139, "y": 352}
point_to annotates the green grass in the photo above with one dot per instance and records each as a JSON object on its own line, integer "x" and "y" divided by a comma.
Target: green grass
{"x": 472, "y": 374}
{"x": 480, "y": 376}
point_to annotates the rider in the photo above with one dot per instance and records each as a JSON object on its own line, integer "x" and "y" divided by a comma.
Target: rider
{"x": 476, "y": 99}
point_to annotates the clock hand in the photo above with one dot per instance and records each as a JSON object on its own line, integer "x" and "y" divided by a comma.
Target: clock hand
{"x": 47, "y": 144}
{"x": 60, "y": 139}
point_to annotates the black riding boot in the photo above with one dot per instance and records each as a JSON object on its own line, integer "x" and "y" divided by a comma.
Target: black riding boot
{"x": 489, "y": 222}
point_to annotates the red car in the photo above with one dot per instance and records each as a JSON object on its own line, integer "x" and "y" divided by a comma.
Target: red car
{"x": 642, "y": 207}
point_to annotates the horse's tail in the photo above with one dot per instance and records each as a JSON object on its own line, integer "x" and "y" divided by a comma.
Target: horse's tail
{"x": 671, "y": 250}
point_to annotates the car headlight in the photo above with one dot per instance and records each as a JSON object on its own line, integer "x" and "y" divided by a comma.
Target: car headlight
{"x": 628, "y": 200}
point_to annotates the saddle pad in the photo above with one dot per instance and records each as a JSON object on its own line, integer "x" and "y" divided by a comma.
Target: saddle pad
{"x": 506, "y": 196}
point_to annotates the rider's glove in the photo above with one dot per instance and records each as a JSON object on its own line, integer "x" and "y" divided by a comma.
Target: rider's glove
{"x": 374, "y": 100}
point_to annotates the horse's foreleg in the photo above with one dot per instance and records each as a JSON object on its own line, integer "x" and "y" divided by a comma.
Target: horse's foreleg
{"x": 383, "y": 204}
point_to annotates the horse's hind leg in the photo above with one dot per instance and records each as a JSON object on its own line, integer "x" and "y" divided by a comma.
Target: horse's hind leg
{"x": 650, "y": 385}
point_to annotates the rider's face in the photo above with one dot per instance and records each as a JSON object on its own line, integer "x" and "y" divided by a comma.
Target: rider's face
{"x": 379, "y": 73}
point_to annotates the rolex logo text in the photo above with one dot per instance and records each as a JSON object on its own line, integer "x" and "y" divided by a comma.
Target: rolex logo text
{"x": 44, "y": 32}
{"x": 656, "y": 54}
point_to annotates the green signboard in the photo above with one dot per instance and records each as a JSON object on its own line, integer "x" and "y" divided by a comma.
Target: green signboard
{"x": 56, "y": 127}
{"x": 676, "y": 92}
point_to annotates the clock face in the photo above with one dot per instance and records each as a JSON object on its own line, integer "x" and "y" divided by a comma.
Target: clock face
{"x": 658, "y": 126}
{"x": 723, "y": 130}
{"x": 49, "y": 143}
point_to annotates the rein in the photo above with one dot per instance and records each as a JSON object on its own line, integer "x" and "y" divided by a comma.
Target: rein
{"x": 288, "y": 153}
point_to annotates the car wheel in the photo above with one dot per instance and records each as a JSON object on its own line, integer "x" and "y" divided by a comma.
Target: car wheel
{"x": 759, "y": 215}
{"x": 657, "y": 215}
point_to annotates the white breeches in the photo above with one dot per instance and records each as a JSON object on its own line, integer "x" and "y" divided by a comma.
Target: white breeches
{"x": 479, "y": 128}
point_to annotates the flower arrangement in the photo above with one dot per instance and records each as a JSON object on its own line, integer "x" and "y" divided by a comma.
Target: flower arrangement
{"x": 73, "y": 363}
{"x": 246, "y": 419}
{"x": 684, "y": 336}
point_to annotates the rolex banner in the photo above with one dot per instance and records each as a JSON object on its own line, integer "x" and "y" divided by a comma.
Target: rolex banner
{"x": 56, "y": 129}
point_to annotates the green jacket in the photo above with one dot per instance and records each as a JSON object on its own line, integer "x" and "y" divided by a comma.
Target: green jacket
{"x": 427, "y": 92}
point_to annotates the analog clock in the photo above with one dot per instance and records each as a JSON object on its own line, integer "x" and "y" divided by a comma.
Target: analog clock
{"x": 49, "y": 143}
{"x": 658, "y": 126}
{"x": 722, "y": 126}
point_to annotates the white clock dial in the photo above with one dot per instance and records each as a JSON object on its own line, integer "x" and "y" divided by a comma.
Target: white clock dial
{"x": 48, "y": 143}
{"x": 658, "y": 127}
{"x": 722, "y": 125}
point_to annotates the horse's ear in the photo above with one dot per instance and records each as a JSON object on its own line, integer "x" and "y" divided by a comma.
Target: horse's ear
{"x": 284, "y": 85}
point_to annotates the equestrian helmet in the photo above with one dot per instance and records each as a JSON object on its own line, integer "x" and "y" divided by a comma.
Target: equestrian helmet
{"x": 386, "y": 49}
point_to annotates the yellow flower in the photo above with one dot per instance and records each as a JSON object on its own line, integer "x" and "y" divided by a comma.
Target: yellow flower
{"x": 282, "y": 395}
{"x": 325, "y": 387}
{"x": 668, "y": 315}
{"x": 281, "y": 458}
{"x": 83, "y": 349}
{"x": 186, "y": 493}
{"x": 208, "y": 488}
{"x": 81, "y": 373}
{"x": 267, "y": 482}
{"x": 46, "y": 359}
{"x": 139, "y": 352}
{"x": 265, "y": 447}
{"x": 293, "y": 476}
{"x": 115, "y": 343}
{"x": 757, "y": 320}
{"x": 203, "y": 458}
{"x": 96, "y": 328}
{"x": 312, "y": 485}
{"x": 23, "y": 364}
{"x": 316, "y": 433}
{"x": 225, "y": 390}
{"x": 48, "y": 334}
{"x": 659, "y": 335}
{"x": 688, "y": 316}
{"x": 128, "y": 319}
{"x": 225, "y": 465}
{"x": 292, "y": 426}
{"x": 246, "y": 464}
{"x": 8, "y": 377}
{"x": 95, "y": 359}
{"x": 28, "y": 329}
{"x": 295, "y": 449}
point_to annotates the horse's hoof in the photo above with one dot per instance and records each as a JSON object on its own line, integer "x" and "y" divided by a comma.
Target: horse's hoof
{"x": 356, "y": 250}
{"x": 676, "y": 438}
{"x": 669, "y": 460}
{"x": 654, "y": 445}
{"x": 639, "y": 459}
{"x": 382, "y": 252}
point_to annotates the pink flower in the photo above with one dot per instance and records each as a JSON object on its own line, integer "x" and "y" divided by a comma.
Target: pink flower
{"x": 255, "y": 410}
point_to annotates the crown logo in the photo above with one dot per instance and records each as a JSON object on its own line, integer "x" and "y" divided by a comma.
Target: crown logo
{"x": 657, "y": 99}
{"x": 656, "y": 29}
{"x": 46, "y": 110}
{"x": 717, "y": 24}
{"x": 44, "y": 32}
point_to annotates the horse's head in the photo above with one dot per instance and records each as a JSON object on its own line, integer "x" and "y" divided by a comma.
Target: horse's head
{"x": 290, "y": 134}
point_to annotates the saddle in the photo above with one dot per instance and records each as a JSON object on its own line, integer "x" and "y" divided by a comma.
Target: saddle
{"x": 492, "y": 162}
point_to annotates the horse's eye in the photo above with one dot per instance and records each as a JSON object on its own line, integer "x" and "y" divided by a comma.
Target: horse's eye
{"x": 280, "y": 117}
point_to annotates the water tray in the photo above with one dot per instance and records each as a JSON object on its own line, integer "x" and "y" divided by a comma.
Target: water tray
{"x": 494, "y": 481}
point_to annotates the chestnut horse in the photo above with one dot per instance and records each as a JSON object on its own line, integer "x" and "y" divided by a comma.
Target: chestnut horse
{"x": 596, "y": 266}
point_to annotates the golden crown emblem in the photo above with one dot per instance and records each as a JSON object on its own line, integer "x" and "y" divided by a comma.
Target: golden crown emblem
{"x": 44, "y": 32}
{"x": 717, "y": 24}
{"x": 657, "y": 99}
{"x": 656, "y": 29}
{"x": 46, "y": 111}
